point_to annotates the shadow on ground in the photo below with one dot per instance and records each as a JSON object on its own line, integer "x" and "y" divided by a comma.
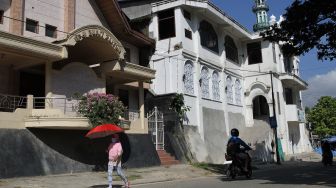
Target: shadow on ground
{"x": 216, "y": 168}
{"x": 290, "y": 173}
{"x": 303, "y": 173}
{"x": 105, "y": 185}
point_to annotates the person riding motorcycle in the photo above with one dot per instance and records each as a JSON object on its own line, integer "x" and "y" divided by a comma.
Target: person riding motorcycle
{"x": 236, "y": 147}
{"x": 327, "y": 155}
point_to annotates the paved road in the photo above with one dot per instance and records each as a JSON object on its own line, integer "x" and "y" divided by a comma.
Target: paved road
{"x": 304, "y": 174}
{"x": 290, "y": 174}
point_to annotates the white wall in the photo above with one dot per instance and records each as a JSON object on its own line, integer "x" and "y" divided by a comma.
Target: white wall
{"x": 168, "y": 76}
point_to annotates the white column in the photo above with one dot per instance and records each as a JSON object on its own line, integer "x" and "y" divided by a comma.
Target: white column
{"x": 141, "y": 105}
{"x": 47, "y": 85}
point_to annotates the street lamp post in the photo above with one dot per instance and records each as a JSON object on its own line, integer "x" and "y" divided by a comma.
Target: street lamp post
{"x": 273, "y": 123}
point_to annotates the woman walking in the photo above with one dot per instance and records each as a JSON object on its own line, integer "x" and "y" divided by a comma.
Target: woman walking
{"x": 114, "y": 154}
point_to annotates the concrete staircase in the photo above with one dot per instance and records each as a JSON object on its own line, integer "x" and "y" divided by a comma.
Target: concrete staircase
{"x": 166, "y": 159}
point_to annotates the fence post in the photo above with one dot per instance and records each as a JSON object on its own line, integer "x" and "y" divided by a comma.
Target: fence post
{"x": 163, "y": 132}
{"x": 156, "y": 129}
{"x": 65, "y": 105}
{"x": 30, "y": 104}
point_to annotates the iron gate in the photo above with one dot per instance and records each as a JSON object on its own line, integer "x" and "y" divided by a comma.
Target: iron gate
{"x": 156, "y": 128}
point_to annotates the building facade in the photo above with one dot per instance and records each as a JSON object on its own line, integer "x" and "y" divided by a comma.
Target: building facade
{"x": 49, "y": 52}
{"x": 230, "y": 77}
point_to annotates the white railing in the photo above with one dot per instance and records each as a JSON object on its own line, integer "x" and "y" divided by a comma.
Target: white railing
{"x": 8, "y": 103}
{"x": 132, "y": 115}
{"x": 69, "y": 106}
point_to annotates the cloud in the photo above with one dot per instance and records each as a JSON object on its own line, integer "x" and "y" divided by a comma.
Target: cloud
{"x": 320, "y": 85}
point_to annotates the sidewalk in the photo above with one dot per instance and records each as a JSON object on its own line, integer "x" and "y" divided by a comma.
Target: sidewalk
{"x": 137, "y": 176}
{"x": 99, "y": 179}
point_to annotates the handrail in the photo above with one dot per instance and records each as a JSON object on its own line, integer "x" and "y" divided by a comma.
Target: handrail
{"x": 9, "y": 103}
{"x": 132, "y": 114}
{"x": 69, "y": 106}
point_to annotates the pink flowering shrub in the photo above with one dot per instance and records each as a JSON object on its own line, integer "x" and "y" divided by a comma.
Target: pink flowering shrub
{"x": 101, "y": 108}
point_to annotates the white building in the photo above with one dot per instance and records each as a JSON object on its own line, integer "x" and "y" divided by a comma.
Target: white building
{"x": 224, "y": 72}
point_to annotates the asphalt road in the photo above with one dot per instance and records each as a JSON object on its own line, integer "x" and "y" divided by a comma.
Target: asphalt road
{"x": 303, "y": 174}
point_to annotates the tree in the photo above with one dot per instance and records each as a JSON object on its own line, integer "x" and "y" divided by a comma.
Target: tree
{"x": 178, "y": 106}
{"x": 323, "y": 116}
{"x": 307, "y": 24}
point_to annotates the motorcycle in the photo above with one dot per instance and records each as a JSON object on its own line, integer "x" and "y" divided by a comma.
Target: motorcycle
{"x": 327, "y": 155}
{"x": 236, "y": 167}
{"x": 327, "y": 158}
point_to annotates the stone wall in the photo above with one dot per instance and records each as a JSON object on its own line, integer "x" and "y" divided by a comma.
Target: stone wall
{"x": 45, "y": 151}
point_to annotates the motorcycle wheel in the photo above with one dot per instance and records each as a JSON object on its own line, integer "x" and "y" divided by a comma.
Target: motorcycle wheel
{"x": 249, "y": 173}
{"x": 230, "y": 172}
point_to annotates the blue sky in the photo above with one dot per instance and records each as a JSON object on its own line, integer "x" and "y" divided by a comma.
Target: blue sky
{"x": 319, "y": 75}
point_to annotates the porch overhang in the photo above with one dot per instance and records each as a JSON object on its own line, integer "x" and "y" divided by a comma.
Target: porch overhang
{"x": 129, "y": 72}
{"x": 93, "y": 41}
{"x": 14, "y": 47}
{"x": 293, "y": 81}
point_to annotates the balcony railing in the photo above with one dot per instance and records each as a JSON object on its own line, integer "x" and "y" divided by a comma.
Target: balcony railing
{"x": 69, "y": 106}
{"x": 301, "y": 116}
{"x": 260, "y": 7}
{"x": 9, "y": 103}
{"x": 294, "y": 113}
{"x": 132, "y": 115}
{"x": 261, "y": 26}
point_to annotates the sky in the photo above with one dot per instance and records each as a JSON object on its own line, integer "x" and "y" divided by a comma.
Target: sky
{"x": 320, "y": 75}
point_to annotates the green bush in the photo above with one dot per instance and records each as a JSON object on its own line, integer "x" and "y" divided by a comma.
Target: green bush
{"x": 101, "y": 108}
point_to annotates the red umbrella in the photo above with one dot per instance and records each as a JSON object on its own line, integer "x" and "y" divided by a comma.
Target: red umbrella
{"x": 103, "y": 130}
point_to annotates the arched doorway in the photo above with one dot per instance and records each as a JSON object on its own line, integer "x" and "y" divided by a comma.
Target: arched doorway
{"x": 260, "y": 108}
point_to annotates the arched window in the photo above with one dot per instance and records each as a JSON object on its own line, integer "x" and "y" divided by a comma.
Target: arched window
{"x": 208, "y": 36}
{"x": 231, "y": 50}
{"x": 260, "y": 108}
{"x": 229, "y": 93}
{"x": 205, "y": 82}
{"x": 188, "y": 77}
{"x": 215, "y": 86}
{"x": 238, "y": 90}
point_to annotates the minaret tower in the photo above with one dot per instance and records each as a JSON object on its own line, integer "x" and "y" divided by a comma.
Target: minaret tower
{"x": 260, "y": 9}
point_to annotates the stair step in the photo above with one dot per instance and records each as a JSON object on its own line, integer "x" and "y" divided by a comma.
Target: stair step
{"x": 165, "y": 155}
{"x": 171, "y": 162}
{"x": 166, "y": 158}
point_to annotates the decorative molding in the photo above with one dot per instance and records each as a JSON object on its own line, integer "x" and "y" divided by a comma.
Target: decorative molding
{"x": 141, "y": 72}
{"x": 210, "y": 63}
{"x": 94, "y": 31}
{"x": 233, "y": 74}
{"x": 30, "y": 47}
{"x": 265, "y": 88}
{"x": 189, "y": 54}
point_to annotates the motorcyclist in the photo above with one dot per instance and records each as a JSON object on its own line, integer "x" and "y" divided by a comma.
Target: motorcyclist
{"x": 327, "y": 156}
{"x": 237, "y": 148}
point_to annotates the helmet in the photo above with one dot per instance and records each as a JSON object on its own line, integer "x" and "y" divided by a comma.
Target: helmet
{"x": 234, "y": 132}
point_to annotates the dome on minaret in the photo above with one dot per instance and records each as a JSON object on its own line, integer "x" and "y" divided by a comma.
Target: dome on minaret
{"x": 260, "y": 9}
{"x": 272, "y": 20}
